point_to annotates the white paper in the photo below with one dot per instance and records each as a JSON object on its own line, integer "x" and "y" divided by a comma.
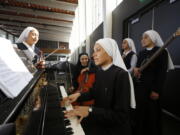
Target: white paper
{"x": 14, "y": 75}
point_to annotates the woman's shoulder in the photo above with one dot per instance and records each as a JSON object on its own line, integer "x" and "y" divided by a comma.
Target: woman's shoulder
{"x": 163, "y": 52}
{"x": 142, "y": 51}
{"x": 119, "y": 69}
{"x": 21, "y": 46}
{"x": 119, "y": 72}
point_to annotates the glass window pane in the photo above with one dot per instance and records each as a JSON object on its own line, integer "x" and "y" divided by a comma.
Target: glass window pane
{"x": 10, "y": 37}
{"x": 2, "y": 34}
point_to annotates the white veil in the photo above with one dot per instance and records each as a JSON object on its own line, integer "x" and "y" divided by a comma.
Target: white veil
{"x": 131, "y": 44}
{"x": 25, "y": 34}
{"x": 111, "y": 47}
{"x": 22, "y": 38}
{"x": 156, "y": 39}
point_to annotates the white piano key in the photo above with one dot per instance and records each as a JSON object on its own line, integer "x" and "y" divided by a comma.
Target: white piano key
{"x": 77, "y": 129}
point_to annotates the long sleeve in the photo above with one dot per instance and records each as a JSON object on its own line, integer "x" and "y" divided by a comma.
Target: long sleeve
{"x": 93, "y": 68}
{"x": 86, "y": 96}
{"x": 118, "y": 113}
{"x": 162, "y": 63}
{"x": 75, "y": 75}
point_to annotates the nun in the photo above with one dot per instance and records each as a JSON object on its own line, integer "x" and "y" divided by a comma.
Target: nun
{"x": 27, "y": 41}
{"x": 129, "y": 54}
{"x": 150, "y": 85}
{"x": 81, "y": 66}
{"x": 112, "y": 91}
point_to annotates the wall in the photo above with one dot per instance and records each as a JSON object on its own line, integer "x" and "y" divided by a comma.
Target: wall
{"x": 132, "y": 19}
{"x": 97, "y": 34}
{"x": 121, "y": 13}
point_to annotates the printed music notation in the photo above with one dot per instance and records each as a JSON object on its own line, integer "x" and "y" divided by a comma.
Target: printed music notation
{"x": 14, "y": 75}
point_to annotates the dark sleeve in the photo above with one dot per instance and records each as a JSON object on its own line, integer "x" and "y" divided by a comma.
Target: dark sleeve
{"x": 37, "y": 51}
{"x": 161, "y": 70}
{"x": 75, "y": 75}
{"x": 21, "y": 46}
{"x": 93, "y": 68}
{"x": 37, "y": 56}
{"x": 86, "y": 96}
{"x": 139, "y": 59}
{"x": 119, "y": 112}
{"x": 35, "y": 59}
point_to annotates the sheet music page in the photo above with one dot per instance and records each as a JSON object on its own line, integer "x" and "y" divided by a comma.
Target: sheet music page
{"x": 14, "y": 75}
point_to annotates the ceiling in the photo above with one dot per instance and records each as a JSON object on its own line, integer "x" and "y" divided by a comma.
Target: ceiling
{"x": 53, "y": 18}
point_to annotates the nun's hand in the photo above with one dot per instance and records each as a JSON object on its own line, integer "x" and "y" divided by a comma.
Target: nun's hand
{"x": 137, "y": 72}
{"x": 41, "y": 64}
{"x": 79, "y": 111}
{"x": 72, "y": 98}
{"x": 68, "y": 100}
{"x": 154, "y": 95}
{"x": 84, "y": 70}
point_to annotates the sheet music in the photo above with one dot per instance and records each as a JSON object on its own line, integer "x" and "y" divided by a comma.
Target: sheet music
{"x": 26, "y": 61}
{"x": 14, "y": 75}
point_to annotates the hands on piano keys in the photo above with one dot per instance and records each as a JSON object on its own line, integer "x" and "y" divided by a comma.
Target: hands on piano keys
{"x": 78, "y": 111}
{"x": 68, "y": 109}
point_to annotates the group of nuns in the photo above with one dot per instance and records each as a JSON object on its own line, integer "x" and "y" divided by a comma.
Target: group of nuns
{"x": 114, "y": 93}
{"x": 149, "y": 83}
{"x": 124, "y": 106}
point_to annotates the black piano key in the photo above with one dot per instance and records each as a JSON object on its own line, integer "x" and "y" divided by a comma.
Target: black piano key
{"x": 69, "y": 133}
{"x": 69, "y": 129}
{"x": 55, "y": 120}
{"x": 63, "y": 108}
{"x": 67, "y": 122}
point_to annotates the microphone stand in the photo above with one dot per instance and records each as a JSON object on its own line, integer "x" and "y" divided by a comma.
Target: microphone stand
{"x": 46, "y": 56}
{"x": 70, "y": 72}
{"x": 51, "y": 53}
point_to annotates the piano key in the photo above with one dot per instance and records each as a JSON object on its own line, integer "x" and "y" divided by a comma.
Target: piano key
{"x": 67, "y": 122}
{"x": 77, "y": 129}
